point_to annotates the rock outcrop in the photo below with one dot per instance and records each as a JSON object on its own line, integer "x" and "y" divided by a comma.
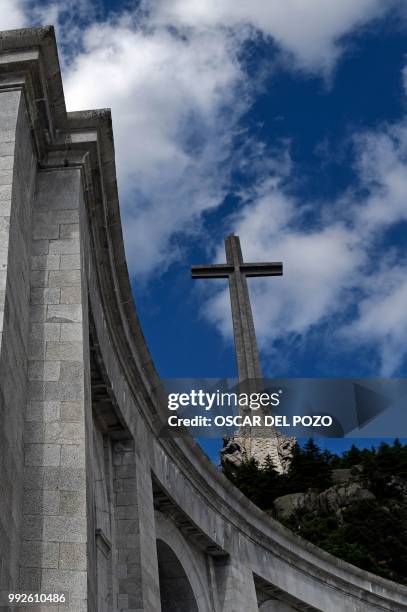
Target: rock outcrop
{"x": 349, "y": 486}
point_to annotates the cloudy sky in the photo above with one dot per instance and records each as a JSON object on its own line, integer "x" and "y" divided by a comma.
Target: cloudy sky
{"x": 284, "y": 122}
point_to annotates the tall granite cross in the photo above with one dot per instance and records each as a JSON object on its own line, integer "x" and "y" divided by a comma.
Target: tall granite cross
{"x": 247, "y": 354}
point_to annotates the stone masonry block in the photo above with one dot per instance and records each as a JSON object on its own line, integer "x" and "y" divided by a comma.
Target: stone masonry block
{"x": 71, "y": 411}
{"x": 39, "y": 247}
{"x": 32, "y": 527}
{"x": 126, "y": 512}
{"x": 66, "y": 479}
{"x": 44, "y": 370}
{"x": 130, "y": 586}
{"x": 127, "y": 540}
{"x": 39, "y": 278}
{"x": 4, "y": 232}
{"x": 128, "y": 484}
{"x": 72, "y": 556}
{"x": 6, "y": 161}
{"x": 7, "y": 148}
{"x": 125, "y": 471}
{"x": 5, "y": 208}
{"x": 43, "y": 411}
{"x": 38, "y": 313}
{"x": 63, "y": 391}
{"x": 62, "y": 216}
{"x": 70, "y": 230}
{"x": 73, "y": 455}
{"x": 64, "y": 528}
{"x": 123, "y": 602}
{"x": 64, "y": 433}
{"x": 65, "y": 313}
{"x": 72, "y": 502}
{"x": 65, "y": 278}
{"x": 42, "y": 455}
{"x": 6, "y": 176}
{"x": 43, "y": 229}
{"x": 30, "y": 579}
{"x": 45, "y": 262}
{"x": 36, "y": 390}
{"x": 64, "y": 351}
{"x": 70, "y": 262}
{"x": 5, "y": 193}
{"x": 71, "y": 295}
{"x": 36, "y": 349}
{"x": 129, "y": 498}
{"x": 41, "y": 501}
{"x": 34, "y": 432}
{"x": 126, "y": 526}
{"x": 71, "y": 332}
{"x": 71, "y": 371}
{"x": 45, "y": 296}
{"x": 45, "y": 331}
{"x": 63, "y": 581}
{"x": 39, "y": 554}
{"x": 34, "y": 478}
{"x": 64, "y": 247}
{"x": 10, "y": 102}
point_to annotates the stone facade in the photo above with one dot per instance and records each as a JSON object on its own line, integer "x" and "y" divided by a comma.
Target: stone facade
{"x": 95, "y": 504}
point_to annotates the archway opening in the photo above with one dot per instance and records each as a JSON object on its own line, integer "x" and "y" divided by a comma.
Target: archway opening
{"x": 175, "y": 589}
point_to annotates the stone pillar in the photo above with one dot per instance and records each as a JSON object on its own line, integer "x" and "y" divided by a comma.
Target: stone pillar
{"x": 137, "y": 564}
{"x": 236, "y": 589}
{"x": 55, "y": 536}
{"x": 17, "y": 174}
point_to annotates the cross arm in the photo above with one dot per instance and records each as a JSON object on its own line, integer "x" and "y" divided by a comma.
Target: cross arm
{"x": 262, "y": 269}
{"x": 212, "y": 271}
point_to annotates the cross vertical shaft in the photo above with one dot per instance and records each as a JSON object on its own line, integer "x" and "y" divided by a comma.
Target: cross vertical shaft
{"x": 247, "y": 354}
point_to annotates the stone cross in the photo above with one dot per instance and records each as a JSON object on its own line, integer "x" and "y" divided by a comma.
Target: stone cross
{"x": 247, "y": 354}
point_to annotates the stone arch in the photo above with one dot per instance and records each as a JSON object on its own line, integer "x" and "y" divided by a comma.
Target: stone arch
{"x": 176, "y": 592}
{"x": 182, "y": 567}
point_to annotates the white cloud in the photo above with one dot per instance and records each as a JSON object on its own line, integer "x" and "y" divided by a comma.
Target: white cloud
{"x": 382, "y": 320}
{"x": 168, "y": 97}
{"x": 310, "y": 30}
{"x": 12, "y": 15}
{"x": 382, "y": 164}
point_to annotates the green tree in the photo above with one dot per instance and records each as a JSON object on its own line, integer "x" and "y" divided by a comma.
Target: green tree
{"x": 309, "y": 469}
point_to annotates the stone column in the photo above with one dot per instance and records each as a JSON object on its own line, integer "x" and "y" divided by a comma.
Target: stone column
{"x": 17, "y": 174}
{"x": 236, "y": 589}
{"x": 56, "y": 533}
{"x": 137, "y": 564}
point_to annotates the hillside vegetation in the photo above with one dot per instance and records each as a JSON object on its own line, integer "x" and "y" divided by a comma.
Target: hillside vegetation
{"x": 354, "y": 506}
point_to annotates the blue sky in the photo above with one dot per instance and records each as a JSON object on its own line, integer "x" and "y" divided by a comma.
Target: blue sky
{"x": 284, "y": 122}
